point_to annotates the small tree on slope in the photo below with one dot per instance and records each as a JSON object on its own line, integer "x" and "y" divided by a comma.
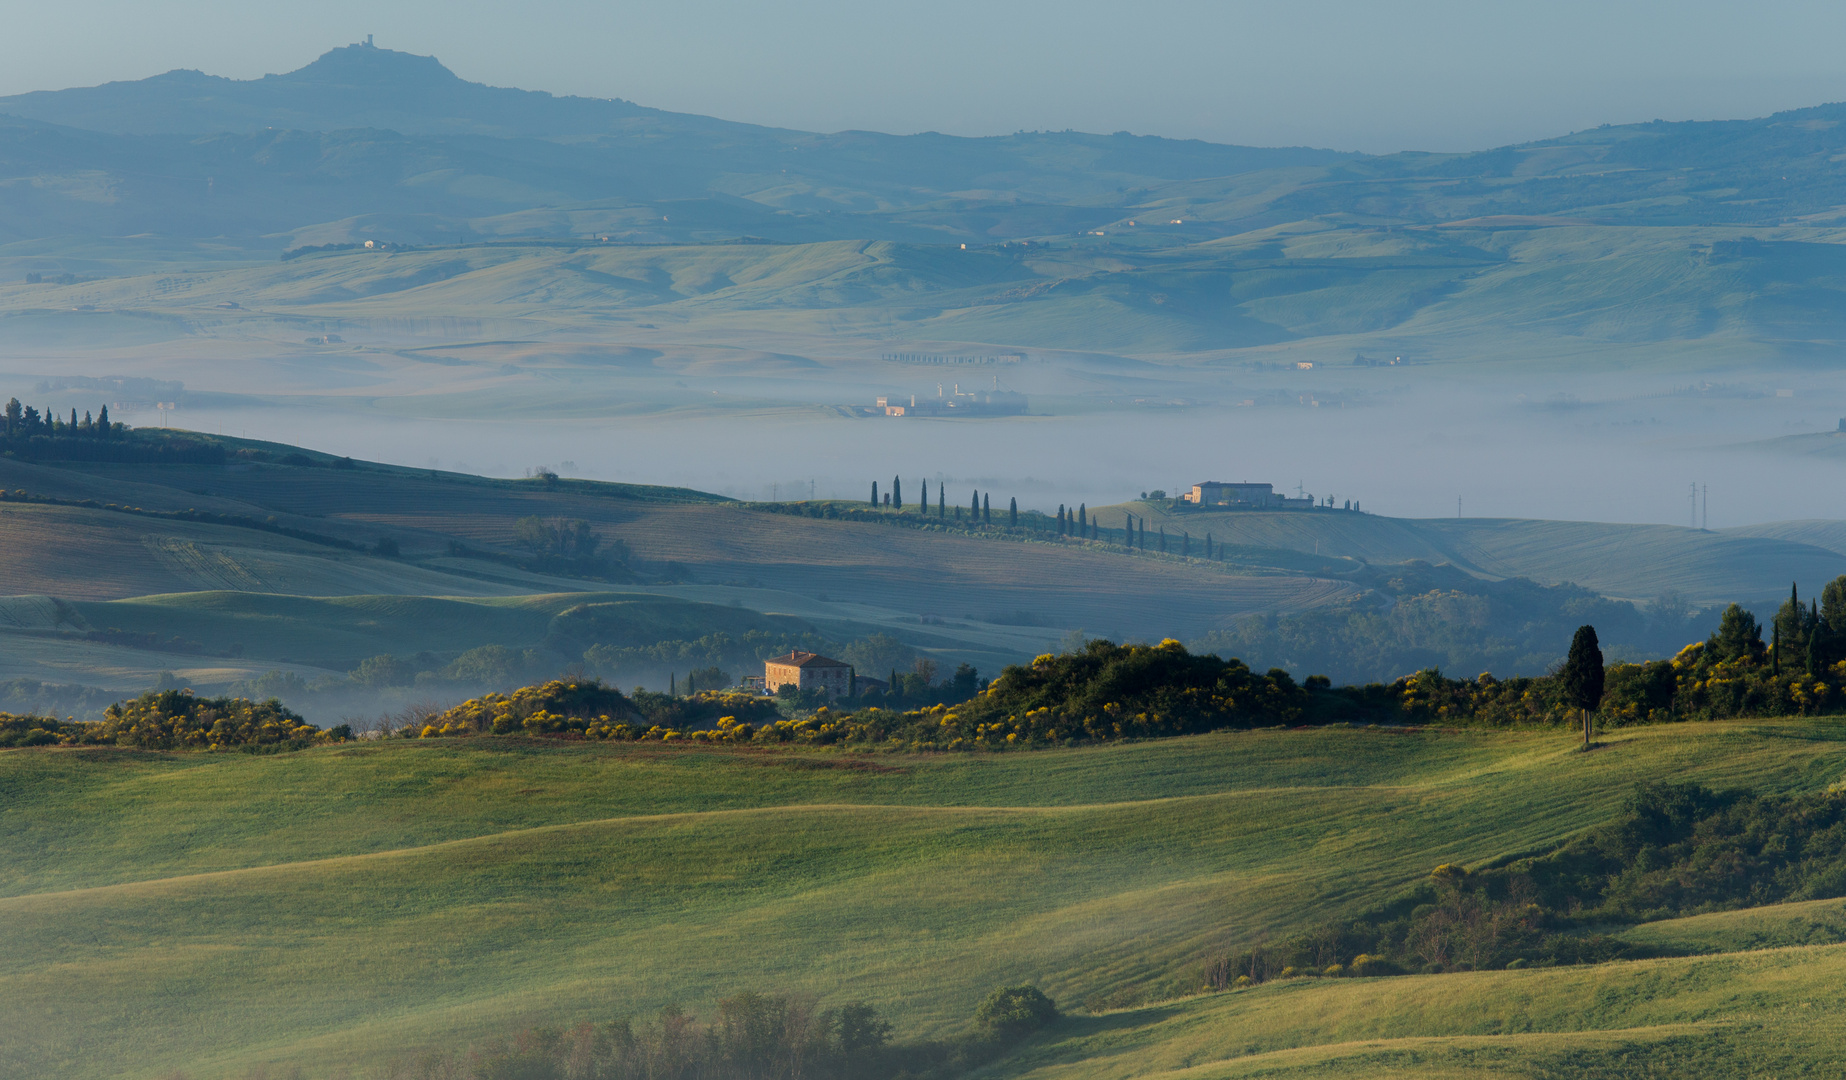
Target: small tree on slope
{"x": 1581, "y": 676}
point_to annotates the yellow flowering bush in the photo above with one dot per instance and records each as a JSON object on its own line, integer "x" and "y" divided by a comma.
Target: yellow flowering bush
{"x": 176, "y": 720}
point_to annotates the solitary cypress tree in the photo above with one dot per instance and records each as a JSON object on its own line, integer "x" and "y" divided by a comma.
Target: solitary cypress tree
{"x": 1083, "y": 520}
{"x": 974, "y": 508}
{"x": 897, "y": 493}
{"x": 1582, "y": 676}
{"x": 1060, "y": 519}
{"x": 874, "y": 494}
{"x": 1012, "y": 513}
{"x": 987, "y": 516}
{"x": 923, "y": 503}
{"x": 942, "y": 501}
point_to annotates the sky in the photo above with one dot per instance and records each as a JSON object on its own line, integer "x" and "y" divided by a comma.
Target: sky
{"x": 1373, "y": 76}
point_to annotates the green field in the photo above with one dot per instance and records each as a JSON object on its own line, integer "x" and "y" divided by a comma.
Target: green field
{"x": 333, "y": 906}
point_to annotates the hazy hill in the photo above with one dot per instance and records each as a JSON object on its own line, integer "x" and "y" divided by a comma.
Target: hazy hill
{"x": 368, "y": 130}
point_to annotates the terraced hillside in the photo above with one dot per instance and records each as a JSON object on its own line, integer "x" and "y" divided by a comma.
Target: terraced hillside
{"x": 333, "y": 907}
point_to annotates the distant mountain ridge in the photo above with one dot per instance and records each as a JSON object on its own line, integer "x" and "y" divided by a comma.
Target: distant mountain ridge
{"x": 396, "y": 146}
{"x": 356, "y": 86}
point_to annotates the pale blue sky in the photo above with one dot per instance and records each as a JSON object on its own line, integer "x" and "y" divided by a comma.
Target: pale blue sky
{"x": 1375, "y": 76}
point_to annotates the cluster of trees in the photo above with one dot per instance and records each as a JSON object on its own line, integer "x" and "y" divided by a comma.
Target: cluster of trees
{"x": 27, "y": 730}
{"x": 1418, "y": 616}
{"x": 31, "y": 699}
{"x": 559, "y": 707}
{"x": 23, "y": 422}
{"x": 751, "y": 1036}
{"x": 482, "y": 666}
{"x": 718, "y": 649}
{"x": 1673, "y": 850}
{"x": 177, "y": 720}
{"x": 1733, "y": 673}
{"x": 571, "y": 547}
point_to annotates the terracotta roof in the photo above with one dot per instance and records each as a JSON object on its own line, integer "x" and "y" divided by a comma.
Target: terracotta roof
{"x": 806, "y": 660}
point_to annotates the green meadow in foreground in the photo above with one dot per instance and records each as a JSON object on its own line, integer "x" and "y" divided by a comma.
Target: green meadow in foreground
{"x": 335, "y": 907}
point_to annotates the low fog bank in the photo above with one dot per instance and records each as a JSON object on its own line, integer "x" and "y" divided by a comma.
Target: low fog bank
{"x": 1613, "y": 450}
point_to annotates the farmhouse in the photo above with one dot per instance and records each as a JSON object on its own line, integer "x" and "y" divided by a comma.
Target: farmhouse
{"x": 808, "y": 671}
{"x": 1242, "y": 496}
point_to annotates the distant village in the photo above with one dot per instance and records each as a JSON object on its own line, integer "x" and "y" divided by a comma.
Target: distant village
{"x": 986, "y": 402}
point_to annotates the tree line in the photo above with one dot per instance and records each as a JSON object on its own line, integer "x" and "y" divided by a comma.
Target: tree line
{"x": 25, "y": 421}
{"x": 27, "y": 433}
{"x": 1672, "y": 850}
{"x": 747, "y": 1036}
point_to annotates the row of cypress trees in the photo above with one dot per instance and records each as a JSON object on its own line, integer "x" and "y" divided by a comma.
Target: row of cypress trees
{"x": 980, "y": 507}
{"x": 24, "y": 421}
{"x": 1078, "y": 522}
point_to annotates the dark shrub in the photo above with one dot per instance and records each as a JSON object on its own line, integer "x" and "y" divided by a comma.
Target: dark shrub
{"x": 1015, "y": 1010}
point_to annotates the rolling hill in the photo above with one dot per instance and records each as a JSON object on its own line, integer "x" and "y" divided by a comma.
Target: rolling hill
{"x": 261, "y": 565}
{"x": 336, "y": 907}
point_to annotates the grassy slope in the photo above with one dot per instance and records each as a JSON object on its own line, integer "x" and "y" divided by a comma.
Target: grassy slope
{"x": 1633, "y": 561}
{"x": 905, "y": 569}
{"x": 1737, "y": 1015}
{"x": 348, "y": 900}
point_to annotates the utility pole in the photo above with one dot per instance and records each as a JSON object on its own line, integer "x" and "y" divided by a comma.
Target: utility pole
{"x": 1692, "y": 508}
{"x": 1705, "y": 511}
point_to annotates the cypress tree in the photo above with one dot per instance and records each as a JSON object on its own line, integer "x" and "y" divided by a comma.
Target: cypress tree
{"x": 897, "y": 493}
{"x": 874, "y": 494}
{"x": 1163, "y": 538}
{"x": 1012, "y": 513}
{"x": 974, "y": 508}
{"x": 1208, "y": 545}
{"x": 102, "y": 421}
{"x": 88, "y": 424}
{"x": 1060, "y": 519}
{"x": 942, "y": 501}
{"x": 672, "y": 685}
{"x": 987, "y": 516}
{"x": 73, "y": 427}
{"x": 1582, "y": 676}
{"x": 1083, "y": 521}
